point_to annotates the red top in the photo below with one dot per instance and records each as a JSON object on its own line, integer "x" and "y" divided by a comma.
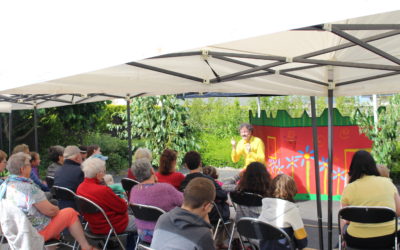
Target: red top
{"x": 115, "y": 207}
{"x": 130, "y": 175}
{"x": 175, "y": 179}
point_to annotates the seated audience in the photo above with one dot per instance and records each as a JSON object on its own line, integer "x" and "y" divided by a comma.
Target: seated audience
{"x": 115, "y": 207}
{"x": 282, "y": 212}
{"x": 70, "y": 175}
{"x": 149, "y": 192}
{"x": 367, "y": 188}
{"x": 46, "y": 218}
{"x": 56, "y": 156}
{"x": 21, "y": 148}
{"x": 3, "y": 163}
{"x": 83, "y": 150}
{"x": 192, "y": 161}
{"x": 167, "y": 169}
{"x": 93, "y": 150}
{"x": 115, "y": 187}
{"x": 188, "y": 227}
{"x": 212, "y": 172}
{"x": 139, "y": 154}
{"x": 35, "y": 162}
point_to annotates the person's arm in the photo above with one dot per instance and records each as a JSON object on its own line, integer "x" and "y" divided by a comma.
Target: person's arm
{"x": 236, "y": 151}
{"x": 37, "y": 181}
{"x": 397, "y": 203}
{"x": 114, "y": 202}
{"x": 46, "y": 208}
{"x": 259, "y": 153}
{"x": 343, "y": 222}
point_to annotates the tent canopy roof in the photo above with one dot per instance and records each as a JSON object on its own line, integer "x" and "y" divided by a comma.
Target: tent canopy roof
{"x": 358, "y": 56}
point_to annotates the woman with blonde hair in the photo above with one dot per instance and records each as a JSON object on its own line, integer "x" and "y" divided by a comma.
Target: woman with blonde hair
{"x": 281, "y": 212}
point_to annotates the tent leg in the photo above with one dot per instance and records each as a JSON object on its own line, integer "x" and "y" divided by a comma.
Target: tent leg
{"x": 330, "y": 165}
{"x": 316, "y": 164}
{"x": 1, "y": 132}
{"x": 10, "y": 125}
{"x": 129, "y": 127}
{"x": 35, "y": 126}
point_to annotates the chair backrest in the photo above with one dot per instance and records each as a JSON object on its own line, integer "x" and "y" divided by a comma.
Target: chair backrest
{"x": 252, "y": 228}
{"x": 246, "y": 199}
{"x": 128, "y": 183}
{"x": 362, "y": 214}
{"x": 63, "y": 193}
{"x": 50, "y": 181}
{"x": 146, "y": 212}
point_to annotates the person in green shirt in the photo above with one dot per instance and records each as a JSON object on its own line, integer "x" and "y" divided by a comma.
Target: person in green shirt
{"x": 116, "y": 188}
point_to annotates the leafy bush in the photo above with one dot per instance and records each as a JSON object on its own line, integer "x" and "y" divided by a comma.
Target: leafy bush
{"x": 216, "y": 151}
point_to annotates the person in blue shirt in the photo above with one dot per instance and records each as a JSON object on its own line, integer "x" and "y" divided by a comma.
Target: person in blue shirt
{"x": 35, "y": 162}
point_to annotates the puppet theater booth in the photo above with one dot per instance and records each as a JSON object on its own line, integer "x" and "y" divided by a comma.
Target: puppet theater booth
{"x": 289, "y": 149}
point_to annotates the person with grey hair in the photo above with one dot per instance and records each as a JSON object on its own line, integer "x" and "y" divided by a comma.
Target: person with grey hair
{"x": 149, "y": 192}
{"x": 70, "y": 175}
{"x": 251, "y": 147}
{"x": 46, "y": 218}
{"x": 56, "y": 156}
{"x": 140, "y": 154}
{"x": 115, "y": 207}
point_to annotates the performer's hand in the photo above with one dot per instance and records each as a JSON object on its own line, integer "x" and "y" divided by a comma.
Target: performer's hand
{"x": 233, "y": 142}
{"x": 248, "y": 147}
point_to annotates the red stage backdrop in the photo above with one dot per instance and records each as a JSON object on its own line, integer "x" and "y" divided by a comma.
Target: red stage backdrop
{"x": 289, "y": 149}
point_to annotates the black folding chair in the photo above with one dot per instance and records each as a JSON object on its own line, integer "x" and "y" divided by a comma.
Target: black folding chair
{"x": 62, "y": 193}
{"x": 86, "y": 206}
{"x": 146, "y": 213}
{"x": 240, "y": 200}
{"x": 252, "y": 228}
{"x": 50, "y": 181}
{"x": 127, "y": 185}
{"x": 364, "y": 214}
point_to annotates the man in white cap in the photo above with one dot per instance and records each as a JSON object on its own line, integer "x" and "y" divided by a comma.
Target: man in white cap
{"x": 70, "y": 175}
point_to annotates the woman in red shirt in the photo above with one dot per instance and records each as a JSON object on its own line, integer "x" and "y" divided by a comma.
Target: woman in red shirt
{"x": 167, "y": 169}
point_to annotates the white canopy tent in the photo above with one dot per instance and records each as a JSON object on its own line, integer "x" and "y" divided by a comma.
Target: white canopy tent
{"x": 356, "y": 56}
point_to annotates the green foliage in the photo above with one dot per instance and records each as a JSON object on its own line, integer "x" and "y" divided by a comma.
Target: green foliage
{"x": 115, "y": 148}
{"x": 160, "y": 122}
{"x": 384, "y": 134}
{"x": 217, "y": 116}
{"x": 216, "y": 151}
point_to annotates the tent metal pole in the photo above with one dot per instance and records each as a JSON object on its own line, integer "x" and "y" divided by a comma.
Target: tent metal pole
{"x": 129, "y": 127}
{"x": 317, "y": 179}
{"x": 330, "y": 165}
{"x": 35, "y": 126}
{"x": 10, "y": 132}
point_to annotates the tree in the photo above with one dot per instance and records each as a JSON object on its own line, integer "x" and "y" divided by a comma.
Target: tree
{"x": 160, "y": 122}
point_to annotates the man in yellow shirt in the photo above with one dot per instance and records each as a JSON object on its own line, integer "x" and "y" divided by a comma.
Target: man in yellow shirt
{"x": 251, "y": 147}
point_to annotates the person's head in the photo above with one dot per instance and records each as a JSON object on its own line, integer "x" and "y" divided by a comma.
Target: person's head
{"x": 3, "y": 160}
{"x": 108, "y": 179}
{"x": 73, "y": 153}
{"x": 245, "y": 130}
{"x": 56, "y": 154}
{"x": 94, "y": 168}
{"x": 255, "y": 179}
{"x": 21, "y": 148}
{"x": 167, "y": 162}
{"x": 83, "y": 150}
{"x": 19, "y": 164}
{"x": 142, "y": 169}
{"x": 35, "y": 158}
{"x": 143, "y": 153}
{"x": 362, "y": 164}
{"x": 192, "y": 160}
{"x": 199, "y": 194}
{"x": 93, "y": 149}
{"x": 283, "y": 187}
{"x": 383, "y": 170}
{"x": 210, "y": 171}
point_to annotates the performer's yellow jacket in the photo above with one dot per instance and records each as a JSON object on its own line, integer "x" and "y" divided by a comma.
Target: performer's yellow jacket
{"x": 257, "y": 151}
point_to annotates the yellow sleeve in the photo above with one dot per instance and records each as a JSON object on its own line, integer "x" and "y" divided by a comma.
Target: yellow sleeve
{"x": 236, "y": 153}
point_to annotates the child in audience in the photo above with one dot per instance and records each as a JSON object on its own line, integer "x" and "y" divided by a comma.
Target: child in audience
{"x": 212, "y": 172}
{"x": 116, "y": 188}
{"x": 281, "y": 212}
{"x": 34, "y": 176}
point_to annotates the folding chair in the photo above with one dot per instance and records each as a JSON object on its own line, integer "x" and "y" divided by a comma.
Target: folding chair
{"x": 240, "y": 200}
{"x": 252, "y": 228}
{"x": 86, "y": 206}
{"x": 50, "y": 181}
{"x": 363, "y": 214}
{"x": 127, "y": 185}
{"x": 146, "y": 213}
{"x": 222, "y": 222}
